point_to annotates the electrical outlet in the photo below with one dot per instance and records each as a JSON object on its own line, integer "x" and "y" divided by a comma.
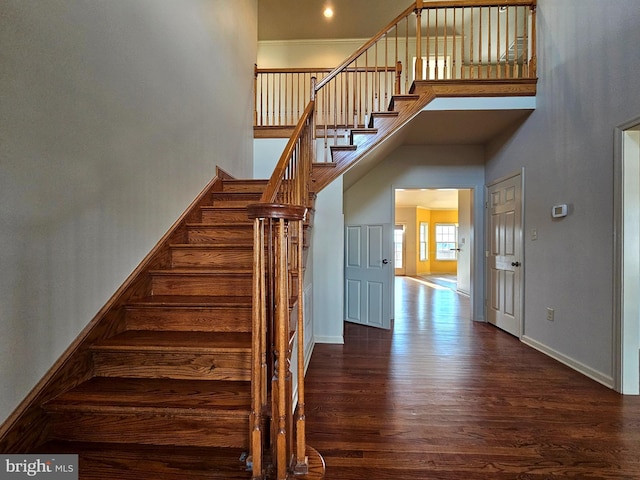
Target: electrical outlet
{"x": 550, "y": 314}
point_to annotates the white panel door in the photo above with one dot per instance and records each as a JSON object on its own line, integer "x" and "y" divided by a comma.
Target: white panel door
{"x": 505, "y": 255}
{"x": 368, "y": 274}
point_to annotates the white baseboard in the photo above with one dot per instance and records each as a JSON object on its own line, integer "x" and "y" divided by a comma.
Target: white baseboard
{"x": 580, "y": 367}
{"x": 337, "y": 340}
{"x": 307, "y": 354}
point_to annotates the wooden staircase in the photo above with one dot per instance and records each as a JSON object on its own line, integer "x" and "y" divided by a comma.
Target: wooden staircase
{"x": 170, "y": 395}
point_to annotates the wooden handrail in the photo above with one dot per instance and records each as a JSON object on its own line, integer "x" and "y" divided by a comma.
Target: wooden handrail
{"x": 364, "y": 47}
{"x": 271, "y": 191}
{"x": 315, "y": 70}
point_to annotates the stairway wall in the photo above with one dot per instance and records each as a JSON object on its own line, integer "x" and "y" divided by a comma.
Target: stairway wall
{"x": 113, "y": 122}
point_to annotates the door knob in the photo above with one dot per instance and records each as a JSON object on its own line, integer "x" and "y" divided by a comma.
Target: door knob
{"x": 515, "y": 264}
{"x": 385, "y": 261}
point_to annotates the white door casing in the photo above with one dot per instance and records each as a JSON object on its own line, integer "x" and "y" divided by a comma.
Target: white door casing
{"x": 504, "y": 262}
{"x": 400, "y": 243}
{"x": 368, "y": 274}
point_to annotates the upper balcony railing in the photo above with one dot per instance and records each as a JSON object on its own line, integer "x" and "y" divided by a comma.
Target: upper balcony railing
{"x": 440, "y": 40}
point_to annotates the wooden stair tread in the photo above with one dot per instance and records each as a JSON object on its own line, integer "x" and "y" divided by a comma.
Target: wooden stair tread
{"x": 194, "y": 301}
{"x": 220, "y": 225}
{"x": 403, "y": 98}
{"x": 128, "y": 461}
{"x": 203, "y": 271}
{"x": 323, "y": 165}
{"x": 176, "y": 341}
{"x": 212, "y": 246}
{"x": 346, "y": 148}
{"x": 110, "y": 394}
{"x": 224, "y": 207}
{"x": 364, "y": 131}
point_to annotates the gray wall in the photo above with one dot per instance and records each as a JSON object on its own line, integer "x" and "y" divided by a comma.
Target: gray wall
{"x": 114, "y": 115}
{"x": 589, "y": 73}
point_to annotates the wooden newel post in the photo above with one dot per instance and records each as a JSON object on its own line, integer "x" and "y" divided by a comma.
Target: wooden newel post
{"x": 279, "y": 402}
{"x": 258, "y": 352}
{"x": 302, "y": 461}
{"x": 418, "y": 69}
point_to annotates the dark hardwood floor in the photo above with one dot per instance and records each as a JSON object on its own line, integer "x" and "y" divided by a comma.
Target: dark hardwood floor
{"x": 442, "y": 397}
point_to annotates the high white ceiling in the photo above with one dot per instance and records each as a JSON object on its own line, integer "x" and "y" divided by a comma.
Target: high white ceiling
{"x": 303, "y": 19}
{"x": 433, "y": 199}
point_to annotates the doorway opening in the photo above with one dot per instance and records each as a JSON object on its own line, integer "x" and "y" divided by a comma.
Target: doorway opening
{"x": 437, "y": 235}
{"x": 627, "y": 258}
{"x": 399, "y": 248}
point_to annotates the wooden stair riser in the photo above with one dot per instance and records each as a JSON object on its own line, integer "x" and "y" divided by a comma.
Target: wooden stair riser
{"x": 189, "y": 319}
{"x": 224, "y": 214}
{"x": 235, "y": 199}
{"x": 238, "y": 256}
{"x": 152, "y": 428}
{"x": 169, "y": 283}
{"x": 245, "y": 186}
{"x": 212, "y": 234}
{"x": 399, "y": 102}
{"x": 362, "y": 136}
{"x": 380, "y": 120}
{"x": 234, "y": 366}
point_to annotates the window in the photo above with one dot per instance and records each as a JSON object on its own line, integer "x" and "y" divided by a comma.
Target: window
{"x": 446, "y": 241}
{"x": 398, "y": 245}
{"x": 424, "y": 241}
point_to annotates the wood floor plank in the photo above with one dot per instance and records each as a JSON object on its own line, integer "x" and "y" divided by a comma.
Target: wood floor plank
{"x": 442, "y": 397}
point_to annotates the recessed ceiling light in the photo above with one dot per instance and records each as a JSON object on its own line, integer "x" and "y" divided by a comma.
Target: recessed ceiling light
{"x": 328, "y": 12}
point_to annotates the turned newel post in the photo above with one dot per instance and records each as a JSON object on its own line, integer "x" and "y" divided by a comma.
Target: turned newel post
{"x": 283, "y": 217}
{"x": 301, "y": 460}
{"x": 418, "y": 68}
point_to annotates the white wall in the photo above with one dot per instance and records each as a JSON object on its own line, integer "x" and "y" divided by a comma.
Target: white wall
{"x": 589, "y": 79}
{"x": 266, "y": 153}
{"x": 370, "y": 200}
{"x": 328, "y": 265}
{"x": 306, "y": 53}
{"x": 114, "y": 115}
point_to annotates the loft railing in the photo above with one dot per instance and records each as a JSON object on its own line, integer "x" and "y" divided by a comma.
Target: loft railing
{"x": 468, "y": 39}
{"x": 442, "y": 40}
{"x": 281, "y": 94}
